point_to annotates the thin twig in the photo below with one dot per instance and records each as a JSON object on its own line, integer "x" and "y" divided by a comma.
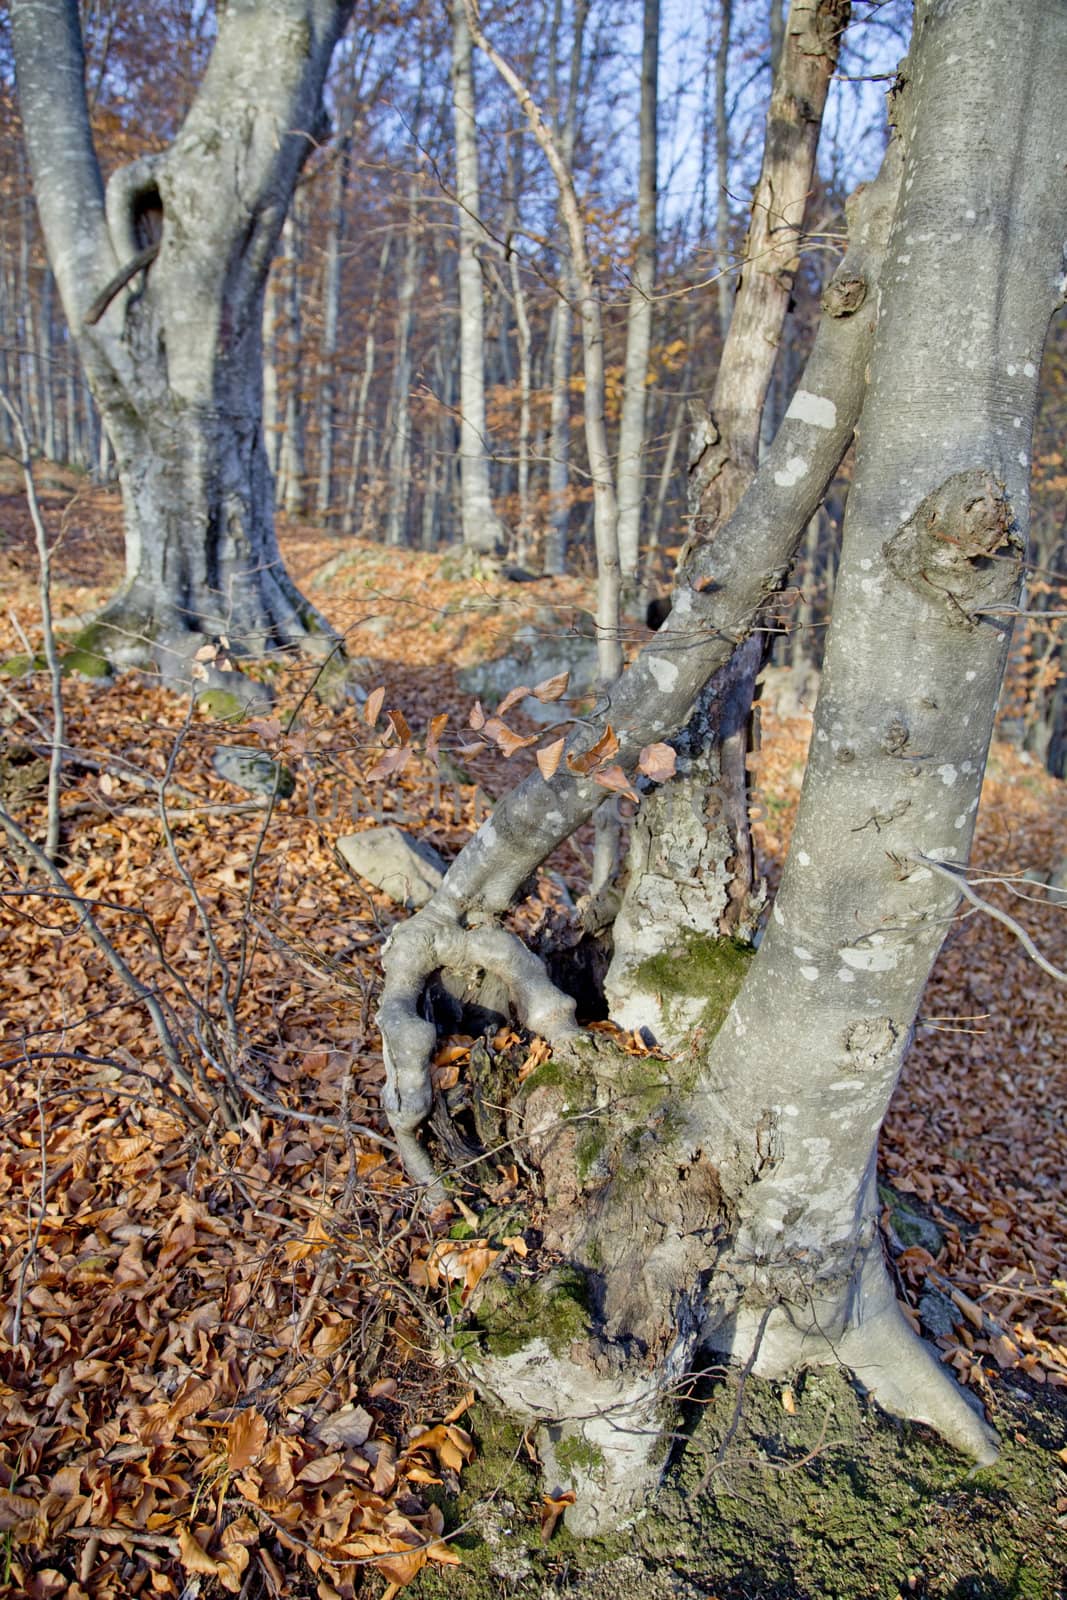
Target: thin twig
{"x": 55, "y": 671}
{"x": 956, "y": 876}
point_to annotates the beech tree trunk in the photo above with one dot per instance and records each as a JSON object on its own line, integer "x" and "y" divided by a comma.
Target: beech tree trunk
{"x": 724, "y": 1199}
{"x": 162, "y": 282}
{"x": 631, "y": 471}
{"x": 482, "y": 530}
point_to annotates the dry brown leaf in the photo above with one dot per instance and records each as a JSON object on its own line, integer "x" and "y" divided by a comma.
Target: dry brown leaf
{"x": 372, "y": 707}
{"x": 348, "y": 1428}
{"x": 455, "y": 1048}
{"x": 658, "y": 762}
{"x": 245, "y": 1438}
{"x": 390, "y": 765}
{"x": 462, "y": 1406}
{"x": 505, "y": 738}
{"x": 552, "y": 1508}
{"x": 550, "y": 689}
{"x": 321, "y": 1468}
{"x": 548, "y": 759}
{"x": 603, "y": 750}
{"x": 399, "y": 724}
{"x": 433, "y": 737}
{"x": 476, "y": 719}
{"x": 615, "y": 779}
{"x": 512, "y": 698}
{"x": 193, "y": 1396}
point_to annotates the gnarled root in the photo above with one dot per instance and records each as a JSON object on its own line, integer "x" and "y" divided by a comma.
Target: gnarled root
{"x": 431, "y": 942}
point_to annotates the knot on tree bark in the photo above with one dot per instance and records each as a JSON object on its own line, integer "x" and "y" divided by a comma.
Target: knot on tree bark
{"x": 961, "y": 548}
{"x": 844, "y": 294}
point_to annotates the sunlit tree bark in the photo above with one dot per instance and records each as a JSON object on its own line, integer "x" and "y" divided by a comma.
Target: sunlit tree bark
{"x": 162, "y": 280}
{"x": 725, "y": 1199}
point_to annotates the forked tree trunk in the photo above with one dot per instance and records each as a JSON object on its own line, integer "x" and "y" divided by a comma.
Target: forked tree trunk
{"x": 173, "y": 350}
{"x": 701, "y": 875}
{"x": 725, "y": 1198}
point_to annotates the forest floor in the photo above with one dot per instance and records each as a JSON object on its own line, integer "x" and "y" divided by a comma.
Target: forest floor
{"x": 216, "y": 1348}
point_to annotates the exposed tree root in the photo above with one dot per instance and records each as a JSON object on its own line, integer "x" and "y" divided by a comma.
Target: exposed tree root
{"x": 433, "y": 942}
{"x": 866, "y": 1333}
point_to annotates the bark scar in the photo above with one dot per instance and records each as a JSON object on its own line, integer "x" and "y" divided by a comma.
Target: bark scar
{"x": 961, "y": 549}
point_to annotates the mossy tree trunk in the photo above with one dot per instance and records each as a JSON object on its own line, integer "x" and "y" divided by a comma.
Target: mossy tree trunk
{"x": 162, "y": 280}
{"x": 723, "y": 1199}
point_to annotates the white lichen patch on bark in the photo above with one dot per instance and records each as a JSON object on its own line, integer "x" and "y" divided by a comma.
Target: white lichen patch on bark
{"x": 815, "y": 409}
{"x": 791, "y": 473}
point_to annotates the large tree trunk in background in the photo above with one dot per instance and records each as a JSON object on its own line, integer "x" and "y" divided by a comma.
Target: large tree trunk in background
{"x": 482, "y": 530}
{"x": 173, "y": 356}
{"x": 725, "y": 286}
{"x": 359, "y": 419}
{"x": 631, "y": 472}
{"x": 396, "y": 525}
{"x": 725, "y": 1198}
{"x": 331, "y": 306}
{"x": 292, "y": 466}
{"x": 565, "y": 128}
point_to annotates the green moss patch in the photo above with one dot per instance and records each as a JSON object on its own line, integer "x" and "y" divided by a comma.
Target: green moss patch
{"x": 86, "y": 663}
{"x": 21, "y": 666}
{"x": 515, "y": 1312}
{"x": 222, "y": 705}
{"x": 699, "y": 967}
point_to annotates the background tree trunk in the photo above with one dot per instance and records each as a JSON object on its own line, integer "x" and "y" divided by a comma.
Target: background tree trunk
{"x": 173, "y": 355}
{"x": 632, "y": 473}
{"x": 482, "y": 530}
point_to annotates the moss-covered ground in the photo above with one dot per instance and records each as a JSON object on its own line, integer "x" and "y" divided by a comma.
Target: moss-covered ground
{"x": 829, "y": 1501}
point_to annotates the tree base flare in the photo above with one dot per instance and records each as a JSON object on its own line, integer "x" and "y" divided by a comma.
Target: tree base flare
{"x": 872, "y": 1340}
{"x": 603, "y": 1435}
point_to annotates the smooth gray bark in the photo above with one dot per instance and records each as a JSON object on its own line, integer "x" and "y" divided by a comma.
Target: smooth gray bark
{"x": 631, "y": 468}
{"x": 738, "y": 1210}
{"x": 331, "y": 309}
{"x": 292, "y": 467}
{"x": 359, "y": 421}
{"x": 725, "y": 285}
{"x": 173, "y": 356}
{"x": 396, "y": 528}
{"x": 565, "y": 129}
{"x": 482, "y": 530}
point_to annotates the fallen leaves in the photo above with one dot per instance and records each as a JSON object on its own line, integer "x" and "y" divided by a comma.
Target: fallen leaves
{"x": 213, "y": 1331}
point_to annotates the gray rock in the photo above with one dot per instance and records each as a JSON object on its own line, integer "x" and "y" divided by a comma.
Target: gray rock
{"x": 253, "y": 770}
{"x": 937, "y": 1314}
{"x": 405, "y": 869}
{"x": 538, "y": 651}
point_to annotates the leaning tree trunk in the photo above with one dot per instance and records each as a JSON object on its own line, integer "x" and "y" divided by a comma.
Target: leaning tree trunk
{"x": 162, "y": 283}
{"x": 725, "y": 1197}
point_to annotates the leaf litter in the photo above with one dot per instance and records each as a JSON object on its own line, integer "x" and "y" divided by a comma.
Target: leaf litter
{"x": 216, "y": 1354}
